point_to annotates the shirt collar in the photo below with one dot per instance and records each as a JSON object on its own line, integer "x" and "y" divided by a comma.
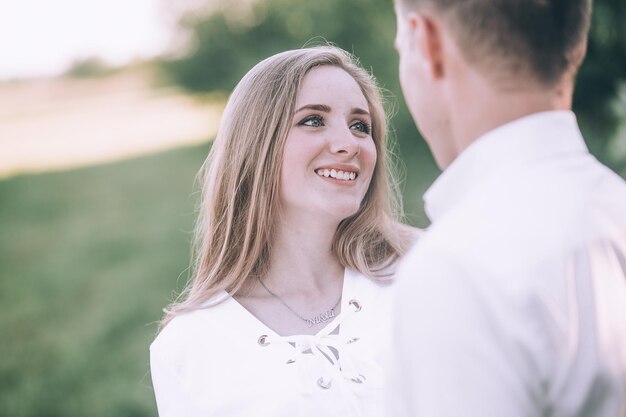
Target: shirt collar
{"x": 537, "y": 136}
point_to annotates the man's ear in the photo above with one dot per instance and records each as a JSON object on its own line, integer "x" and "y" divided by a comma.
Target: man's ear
{"x": 426, "y": 36}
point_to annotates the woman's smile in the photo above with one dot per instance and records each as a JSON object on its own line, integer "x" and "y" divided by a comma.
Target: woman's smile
{"x": 339, "y": 173}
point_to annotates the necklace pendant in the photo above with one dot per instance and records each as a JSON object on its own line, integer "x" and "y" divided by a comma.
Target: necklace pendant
{"x": 321, "y": 318}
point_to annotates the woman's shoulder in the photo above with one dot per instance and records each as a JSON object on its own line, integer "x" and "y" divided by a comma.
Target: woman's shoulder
{"x": 192, "y": 327}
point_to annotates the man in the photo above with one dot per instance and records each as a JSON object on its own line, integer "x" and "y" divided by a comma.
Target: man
{"x": 513, "y": 303}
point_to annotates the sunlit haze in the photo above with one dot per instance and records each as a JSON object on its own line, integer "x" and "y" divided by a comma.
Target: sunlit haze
{"x": 39, "y": 37}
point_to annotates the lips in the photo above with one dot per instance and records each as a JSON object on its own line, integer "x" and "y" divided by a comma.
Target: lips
{"x": 338, "y": 174}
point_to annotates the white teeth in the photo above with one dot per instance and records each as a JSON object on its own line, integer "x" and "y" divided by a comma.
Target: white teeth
{"x": 337, "y": 174}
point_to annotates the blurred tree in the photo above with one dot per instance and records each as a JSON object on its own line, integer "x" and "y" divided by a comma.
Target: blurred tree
{"x": 601, "y": 75}
{"x": 229, "y": 41}
{"x": 88, "y": 68}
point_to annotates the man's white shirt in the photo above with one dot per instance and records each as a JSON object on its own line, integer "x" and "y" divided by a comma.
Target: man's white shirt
{"x": 513, "y": 303}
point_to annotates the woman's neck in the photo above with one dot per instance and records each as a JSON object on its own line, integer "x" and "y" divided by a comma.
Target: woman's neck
{"x": 302, "y": 261}
{"x": 303, "y": 274}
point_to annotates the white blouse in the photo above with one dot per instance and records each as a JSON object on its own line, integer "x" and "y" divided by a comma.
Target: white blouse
{"x": 222, "y": 361}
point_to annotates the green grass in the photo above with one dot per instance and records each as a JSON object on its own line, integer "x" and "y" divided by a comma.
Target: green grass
{"x": 88, "y": 259}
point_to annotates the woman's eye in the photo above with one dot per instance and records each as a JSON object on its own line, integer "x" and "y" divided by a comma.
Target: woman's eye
{"x": 312, "y": 121}
{"x": 361, "y": 127}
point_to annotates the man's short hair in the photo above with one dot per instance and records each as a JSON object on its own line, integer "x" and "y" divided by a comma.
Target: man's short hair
{"x": 544, "y": 39}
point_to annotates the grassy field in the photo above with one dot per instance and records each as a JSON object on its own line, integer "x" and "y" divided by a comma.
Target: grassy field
{"x": 88, "y": 258}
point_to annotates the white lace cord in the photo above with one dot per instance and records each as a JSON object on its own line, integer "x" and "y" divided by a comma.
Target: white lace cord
{"x": 320, "y": 346}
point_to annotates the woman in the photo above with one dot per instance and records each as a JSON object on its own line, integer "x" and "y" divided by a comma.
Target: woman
{"x": 288, "y": 310}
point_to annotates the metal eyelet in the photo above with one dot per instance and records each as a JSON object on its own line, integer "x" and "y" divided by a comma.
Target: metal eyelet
{"x": 359, "y": 379}
{"x": 356, "y": 304}
{"x": 262, "y": 340}
{"x": 323, "y": 384}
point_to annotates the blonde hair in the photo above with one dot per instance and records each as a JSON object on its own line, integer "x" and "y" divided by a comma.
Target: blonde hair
{"x": 240, "y": 197}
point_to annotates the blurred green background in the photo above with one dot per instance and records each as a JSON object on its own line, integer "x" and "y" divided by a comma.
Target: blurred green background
{"x": 89, "y": 257}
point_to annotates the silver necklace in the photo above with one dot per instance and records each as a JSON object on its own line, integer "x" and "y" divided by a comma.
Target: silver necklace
{"x": 320, "y": 318}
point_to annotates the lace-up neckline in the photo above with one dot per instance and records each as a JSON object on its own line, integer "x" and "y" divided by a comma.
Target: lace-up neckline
{"x": 328, "y": 347}
{"x": 322, "y": 358}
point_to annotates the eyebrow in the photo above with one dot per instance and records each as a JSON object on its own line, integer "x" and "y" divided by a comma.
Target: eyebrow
{"x": 326, "y": 109}
{"x": 318, "y": 107}
{"x": 358, "y": 110}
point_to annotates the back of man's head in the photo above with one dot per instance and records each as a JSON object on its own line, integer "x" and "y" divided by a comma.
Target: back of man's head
{"x": 540, "y": 40}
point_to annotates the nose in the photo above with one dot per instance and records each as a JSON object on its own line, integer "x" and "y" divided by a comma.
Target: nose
{"x": 342, "y": 141}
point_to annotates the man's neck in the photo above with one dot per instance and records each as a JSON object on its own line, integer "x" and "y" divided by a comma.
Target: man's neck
{"x": 491, "y": 108}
